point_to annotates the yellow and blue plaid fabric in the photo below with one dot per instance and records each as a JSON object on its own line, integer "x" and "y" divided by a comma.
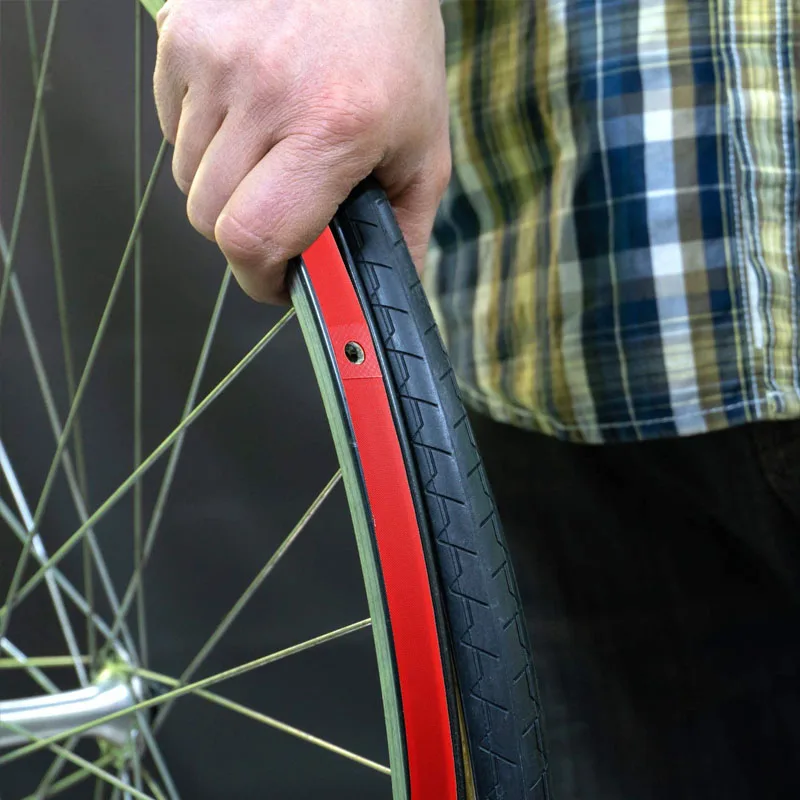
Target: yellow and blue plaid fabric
{"x": 617, "y": 255}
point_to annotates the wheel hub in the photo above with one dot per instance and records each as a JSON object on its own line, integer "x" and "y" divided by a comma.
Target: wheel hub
{"x": 53, "y": 714}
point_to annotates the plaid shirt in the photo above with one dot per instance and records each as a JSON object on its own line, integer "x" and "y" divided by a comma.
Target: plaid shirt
{"x": 617, "y": 255}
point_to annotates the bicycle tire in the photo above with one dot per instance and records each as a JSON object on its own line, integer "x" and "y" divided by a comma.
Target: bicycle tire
{"x": 484, "y": 627}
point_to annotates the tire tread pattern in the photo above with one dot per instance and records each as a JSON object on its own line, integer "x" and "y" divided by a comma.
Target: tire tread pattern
{"x": 486, "y": 621}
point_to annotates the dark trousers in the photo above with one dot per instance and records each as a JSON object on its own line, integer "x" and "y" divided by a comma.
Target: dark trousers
{"x": 661, "y": 583}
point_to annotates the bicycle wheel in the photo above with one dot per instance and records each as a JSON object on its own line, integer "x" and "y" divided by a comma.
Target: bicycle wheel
{"x": 457, "y": 685}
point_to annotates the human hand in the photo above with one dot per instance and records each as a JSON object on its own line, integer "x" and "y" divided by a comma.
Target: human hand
{"x": 279, "y": 108}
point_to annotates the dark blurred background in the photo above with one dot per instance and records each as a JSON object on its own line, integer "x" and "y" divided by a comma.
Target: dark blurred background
{"x": 250, "y": 465}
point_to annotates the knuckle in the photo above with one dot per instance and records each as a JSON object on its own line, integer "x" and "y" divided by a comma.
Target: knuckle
{"x": 240, "y": 242}
{"x": 345, "y": 115}
{"x": 198, "y": 218}
{"x": 219, "y": 57}
{"x": 180, "y": 175}
{"x": 167, "y": 82}
{"x": 268, "y": 75}
{"x": 162, "y": 16}
{"x": 185, "y": 46}
{"x": 172, "y": 39}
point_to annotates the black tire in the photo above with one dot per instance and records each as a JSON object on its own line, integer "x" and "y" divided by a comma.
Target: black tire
{"x": 488, "y": 638}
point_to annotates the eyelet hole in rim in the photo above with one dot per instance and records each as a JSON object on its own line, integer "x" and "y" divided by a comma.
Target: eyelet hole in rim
{"x": 354, "y": 353}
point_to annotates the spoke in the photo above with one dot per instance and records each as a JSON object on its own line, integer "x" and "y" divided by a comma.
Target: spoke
{"x": 101, "y": 329}
{"x": 33, "y": 669}
{"x": 56, "y": 768}
{"x": 28, "y": 158}
{"x": 55, "y": 245}
{"x": 137, "y": 332}
{"x": 78, "y": 760}
{"x": 74, "y": 779}
{"x": 87, "y": 568}
{"x": 61, "y": 302}
{"x": 158, "y": 759}
{"x": 50, "y": 406}
{"x": 153, "y": 786}
{"x": 118, "y": 794}
{"x": 99, "y": 789}
{"x": 282, "y": 726}
{"x": 137, "y": 474}
{"x": 87, "y": 371}
{"x": 172, "y": 462}
{"x": 19, "y": 531}
{"x": 248, "y": 593}
{"x": 136, "y": 766}
{"x": 52, "y": 587}
{"x": 189, "y": 688}
{"x": 41, "y": 662}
